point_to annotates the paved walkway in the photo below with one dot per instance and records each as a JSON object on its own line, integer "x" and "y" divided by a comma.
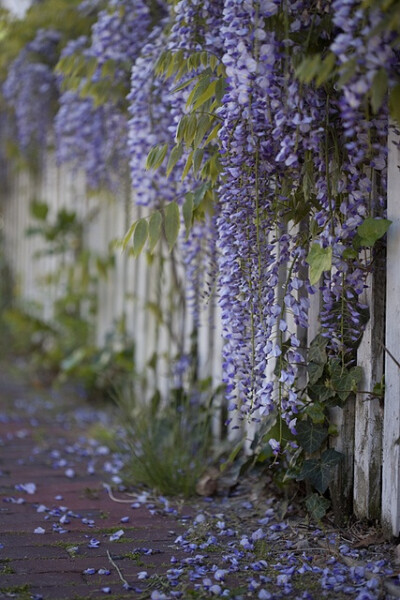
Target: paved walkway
{"x": 63, "y": 535}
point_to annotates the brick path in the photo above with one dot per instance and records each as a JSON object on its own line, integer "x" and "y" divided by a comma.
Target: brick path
{"x": 71, "y": 507}
{"x": 63, "y": 537}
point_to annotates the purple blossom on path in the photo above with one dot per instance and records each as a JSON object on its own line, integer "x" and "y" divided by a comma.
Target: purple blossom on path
{"x": 39, "y": 530}
{"x": 29, "y": 488}
{"x": 117, "y": 535}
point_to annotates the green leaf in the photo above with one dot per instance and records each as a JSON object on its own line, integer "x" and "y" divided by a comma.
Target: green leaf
{"x": 203, "y": 125}
{"x": 175, "y": 155}
{"x": 180, "y": 130}
{"x": 198, "y": 90}
{"x": 321, "y": 391}
{"x": 317, "y": 506}
{"x": 232, "y": 457}
{"x": 326, "y": 69}
{"x": 379, "y": 388}
{"x": 183, "y": 85}
{"x": 171, "y": 223}
{"x": 394, "y": 103}
{"x": 206, "y": 95}
{"x": 317, "y": 351}
{"x": 315, "y": 372}
{"x": 108, "y": 68}
{"x": 127, "y": 237}
{"x": 154, "y": 229}
{"x": 347, "y": 71}
{"x": 197, "y": 158}
{"x": 189, "y": 162}
{"x": 319, "y": 472}
{"x": 187, "y": 211}
{"x": 190, "y": 129}
{"x": 316, "y": 412}
{"x": 213, "y": 134}
{"x": 378, "y": 89}
{"x": 139, "y": 236}
{"x": 350, "y": 254}
{"x": 310, "y": 435}
{"x": 199, "y": 193}
{"x": 213, "y": 61}
{"x": 39, "y": 210}
{"x": 308, "y": 68}
{"x": 156, "y": 156}
{"x": 320, "y": 260}
{"x": 372, "y": 230}
{"x": 344, "y": 381}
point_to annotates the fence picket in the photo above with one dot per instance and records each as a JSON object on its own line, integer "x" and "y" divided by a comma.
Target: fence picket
{"x": 391, "y": 422}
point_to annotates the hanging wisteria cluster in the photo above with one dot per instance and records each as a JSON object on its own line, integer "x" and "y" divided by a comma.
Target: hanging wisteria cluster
{"x": 31, "y": 88}
{"x": 91, "y": 128}
{"x": 301, "y": 158}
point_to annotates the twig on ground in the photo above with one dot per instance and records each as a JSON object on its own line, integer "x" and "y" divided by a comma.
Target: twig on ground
{"x": 112, "y": 497}
{"x": 122, "y": 578}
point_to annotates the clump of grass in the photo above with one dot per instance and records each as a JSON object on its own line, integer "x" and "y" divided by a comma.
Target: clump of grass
{"x": 169, "y": 444}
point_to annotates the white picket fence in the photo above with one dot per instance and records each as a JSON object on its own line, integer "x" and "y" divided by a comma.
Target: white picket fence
{"x": 368, "y": 480}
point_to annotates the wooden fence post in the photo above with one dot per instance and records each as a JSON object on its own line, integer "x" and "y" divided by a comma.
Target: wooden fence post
{"x": 391, "y": 424}
{"x": 369, "y": 410}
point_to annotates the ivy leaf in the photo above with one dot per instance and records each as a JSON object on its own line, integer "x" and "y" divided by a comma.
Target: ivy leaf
{"x": 321, "y": 392}
{"x": 315, "y": 412}
{"x": 171, "y": 223}
{"x": 310, "y": 435}
{"x": 154, "y": 229}
{"x": 372, "y": 230}
{"x": 350, "y": 254}
{"x": 139, "y": 236}
{"x": 320, "y": 260}
{"x": 314, "y": 371}
{"x": 319, "y": 472}
{"x": 317, "y": 352}
{"x": 317, "y": 506}
{"x": 344, "y": 381}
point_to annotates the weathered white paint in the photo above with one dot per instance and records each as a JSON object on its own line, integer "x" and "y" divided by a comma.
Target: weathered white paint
{"x": 369, "y": 410}
{"x": 391, "y": 424}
